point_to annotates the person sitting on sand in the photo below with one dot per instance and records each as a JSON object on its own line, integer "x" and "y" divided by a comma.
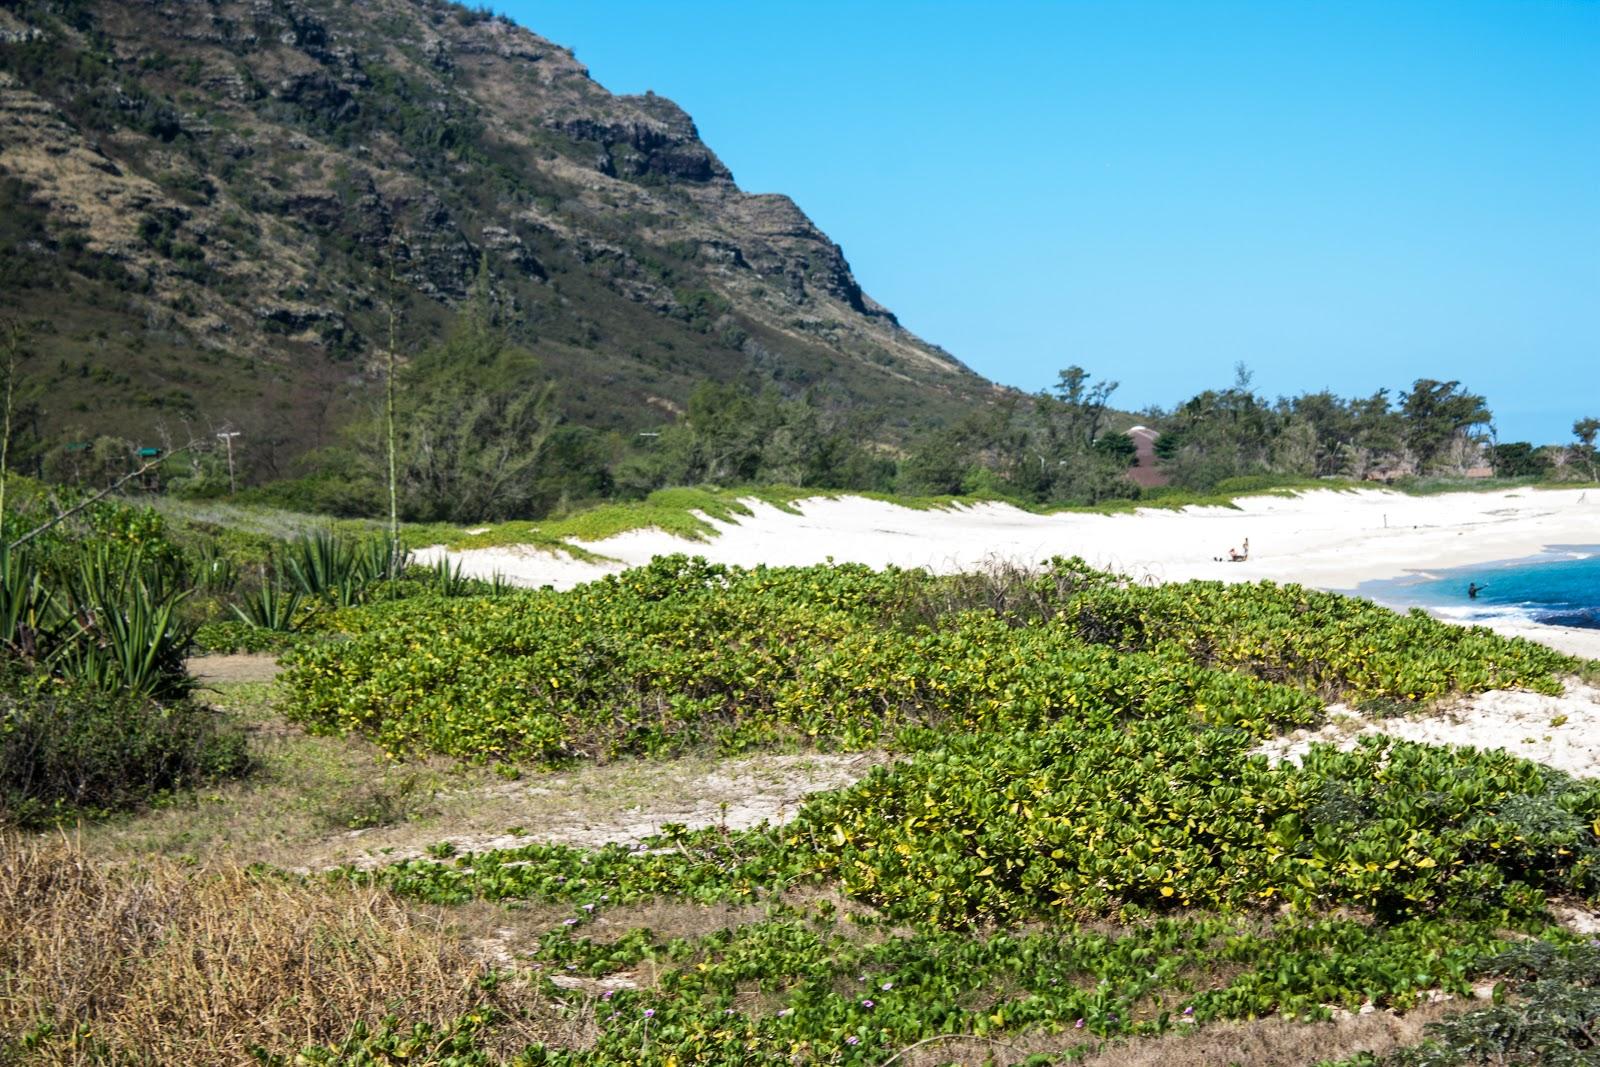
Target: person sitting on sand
{"x": 1234, "y": 556}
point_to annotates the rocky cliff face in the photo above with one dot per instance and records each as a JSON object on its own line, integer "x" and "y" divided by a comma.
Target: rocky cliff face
{"x": 209, "y": 206}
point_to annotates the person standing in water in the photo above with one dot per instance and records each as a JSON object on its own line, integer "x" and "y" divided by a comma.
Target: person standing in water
{"x": 1473, "y": 589}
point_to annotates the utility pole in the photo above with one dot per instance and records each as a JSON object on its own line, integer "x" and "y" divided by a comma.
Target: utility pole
{"x": 227, "y": 438}
{"x": 388, "y": 419}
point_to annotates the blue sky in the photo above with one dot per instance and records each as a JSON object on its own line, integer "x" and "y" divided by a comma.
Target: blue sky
{"x": 1345, "y": 195}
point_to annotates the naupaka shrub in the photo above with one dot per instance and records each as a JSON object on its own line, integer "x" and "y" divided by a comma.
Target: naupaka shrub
{"x": 1159, "y": 815}
{"x": 684, "y": 652}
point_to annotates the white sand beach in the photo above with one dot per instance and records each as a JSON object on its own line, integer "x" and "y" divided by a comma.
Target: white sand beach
{"x": 1327, "y": 539}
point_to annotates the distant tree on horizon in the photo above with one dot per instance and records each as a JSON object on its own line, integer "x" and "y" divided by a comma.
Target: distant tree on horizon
{"x": 1585, "y": 430}
{"x": 1437, "y": 415}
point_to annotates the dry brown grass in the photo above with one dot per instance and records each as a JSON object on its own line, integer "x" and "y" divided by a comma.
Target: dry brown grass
{"x": 176, "y": 964}
{"x": 1271, "y": 1042}
{"x": 1276, "y": 1042}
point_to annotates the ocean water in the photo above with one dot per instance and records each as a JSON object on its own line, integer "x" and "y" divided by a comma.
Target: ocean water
{"x": 1560, "y": 587}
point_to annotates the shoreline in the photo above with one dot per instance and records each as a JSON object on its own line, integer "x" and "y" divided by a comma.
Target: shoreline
{"x": 1575, "y": 640}
{"x": 1327, "y": 539}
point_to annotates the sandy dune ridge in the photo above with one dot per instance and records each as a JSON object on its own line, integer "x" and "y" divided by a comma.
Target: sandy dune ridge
{"x": 1327, "y": 539}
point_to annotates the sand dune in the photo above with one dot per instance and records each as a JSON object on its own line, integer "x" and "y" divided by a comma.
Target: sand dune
{"x": 1326, "y": 539}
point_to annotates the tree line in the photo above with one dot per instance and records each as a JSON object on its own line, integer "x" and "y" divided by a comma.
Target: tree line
{"x": 472, "y": 432}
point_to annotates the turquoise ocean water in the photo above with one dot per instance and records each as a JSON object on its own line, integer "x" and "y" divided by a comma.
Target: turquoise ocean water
{"x": 1560, "y": 587}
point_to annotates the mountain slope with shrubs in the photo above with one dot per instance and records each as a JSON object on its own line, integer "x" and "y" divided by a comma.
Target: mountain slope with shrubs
{"x": 208, "y": 211}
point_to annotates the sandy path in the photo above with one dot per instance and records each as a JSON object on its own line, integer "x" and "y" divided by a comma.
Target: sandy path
{"x": 234, "y": 667}
{"x": 621, "y": 803}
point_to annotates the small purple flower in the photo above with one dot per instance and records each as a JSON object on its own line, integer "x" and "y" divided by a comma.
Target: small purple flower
{"x": 608, "y": 994}
{"x": 1189, "y": 1010}
{"x": 569, "y": 922}
{"x": 867, "y": 1004}
{"x": 1078, "y": 1025}
{"x": 649, "y": 1013}
{"x": 886, "y": 986}
{"x": 785, "y": 1011}
{"x": 588, "y": 907}
{"x": 852, "y": 1040}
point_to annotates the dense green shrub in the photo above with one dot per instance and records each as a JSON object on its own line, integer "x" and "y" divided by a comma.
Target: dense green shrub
{"x": 67, "y": 750}
{"x": 1080, "y": 821}
{"x": 1546, "y": 1013}
{"x": 233, "y": 635}
{"x": 682, "y": 651}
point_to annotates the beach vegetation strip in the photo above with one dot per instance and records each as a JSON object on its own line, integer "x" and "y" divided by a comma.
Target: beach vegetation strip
{"x": 1070, "y": 751}
{"x": 1067, "y": 843}
{"x": 683, "y": 652}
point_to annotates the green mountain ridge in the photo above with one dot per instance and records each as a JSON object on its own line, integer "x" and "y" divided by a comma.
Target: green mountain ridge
{"x": 208, "y": 208}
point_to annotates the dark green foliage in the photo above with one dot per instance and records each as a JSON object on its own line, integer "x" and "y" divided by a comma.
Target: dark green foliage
{"x": 340, "y": 569}
{"x": 127, "y": 631}
{"x": 1437, "y": 413}
{"x": 1585, "y": 431}
{"x": 69, "y": 750}
{"x": 1220, "y": 434}
{"x": 730, "y": 437}
{"x": 94, "y": 714}
{"x": 1519, "y": 459}
{"x": 1547, "y": 1014}
{"x": 235, "y": 635}
{"x": 102, "y": 614}
{"x": 1048, "y": 450}
{"x": 337, "y": 486}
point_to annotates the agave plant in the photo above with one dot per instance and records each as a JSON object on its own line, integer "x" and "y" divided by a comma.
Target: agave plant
{"x": 447, "y": 580}
{"x": 125, "y": 631}
{"x": 327, "y": 565}
{"x": 29, "y": 618}
{"x": 273, "y": 606}
{"x": 214, "y": 572}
